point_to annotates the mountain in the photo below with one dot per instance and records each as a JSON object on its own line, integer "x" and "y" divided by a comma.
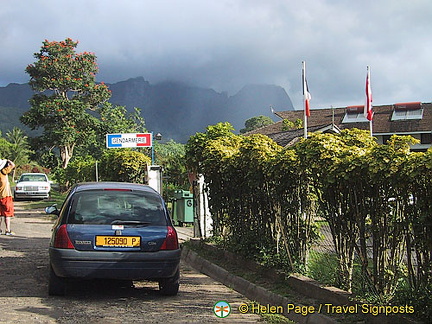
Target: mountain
{"x": 15, "y": 95}
{"x": 13, "y": 103}
{"x": 255, "y": 100}
{"x": 174, "y": 109}
{"x": 178, "y": 111}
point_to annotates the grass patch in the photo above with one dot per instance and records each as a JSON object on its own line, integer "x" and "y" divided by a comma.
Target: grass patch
{"x": 322, "y": 267}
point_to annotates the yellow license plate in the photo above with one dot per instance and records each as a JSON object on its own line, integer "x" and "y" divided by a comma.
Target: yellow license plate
{"x": 118, "y": 241}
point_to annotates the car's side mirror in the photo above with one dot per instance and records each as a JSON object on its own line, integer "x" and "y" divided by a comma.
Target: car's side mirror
{"x": 52, "y": 210}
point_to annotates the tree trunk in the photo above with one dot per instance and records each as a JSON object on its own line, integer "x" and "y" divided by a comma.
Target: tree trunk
{"x": 66, "y": 152}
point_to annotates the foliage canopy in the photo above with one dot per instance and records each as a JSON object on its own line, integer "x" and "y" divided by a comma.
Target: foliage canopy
{"x": 66, "y": 90}
{"x": 256, "y": 122}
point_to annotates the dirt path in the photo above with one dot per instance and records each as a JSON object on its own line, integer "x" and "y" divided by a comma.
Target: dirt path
{"x": 24, "y": 298}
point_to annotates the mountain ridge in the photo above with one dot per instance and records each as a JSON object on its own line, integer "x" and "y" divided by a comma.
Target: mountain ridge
{"x": 175, "y": 109}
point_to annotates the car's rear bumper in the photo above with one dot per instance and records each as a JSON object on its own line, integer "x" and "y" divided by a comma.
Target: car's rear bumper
{"x": 31, "y": 195}
{"x": 71, "y": 263}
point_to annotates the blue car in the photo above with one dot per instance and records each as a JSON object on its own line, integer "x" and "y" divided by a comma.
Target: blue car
{"x": 112, "y": 230}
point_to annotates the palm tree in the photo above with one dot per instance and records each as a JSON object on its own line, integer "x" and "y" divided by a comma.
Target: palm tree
{"x": 19, "y": 149}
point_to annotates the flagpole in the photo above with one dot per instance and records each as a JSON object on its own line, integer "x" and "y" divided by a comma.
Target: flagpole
{"x": 304, "y": 99}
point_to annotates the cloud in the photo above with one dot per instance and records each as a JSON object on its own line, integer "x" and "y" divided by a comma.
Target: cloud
{"x": 227, "y": 44}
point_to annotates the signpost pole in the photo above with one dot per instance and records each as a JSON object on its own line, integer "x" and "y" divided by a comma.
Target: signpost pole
{"x": 152, "y": 151}
{"x": 96, "y": 171}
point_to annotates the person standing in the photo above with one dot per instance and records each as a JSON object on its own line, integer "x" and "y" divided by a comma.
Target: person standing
{"x": 6, "y": 201}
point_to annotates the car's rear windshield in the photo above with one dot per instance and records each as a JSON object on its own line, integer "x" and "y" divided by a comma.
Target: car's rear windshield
{"x": 33, "y": 177}
{"x": 117, "y": 207}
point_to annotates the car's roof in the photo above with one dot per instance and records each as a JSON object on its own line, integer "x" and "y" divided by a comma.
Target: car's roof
{"x": 112, "y": 185}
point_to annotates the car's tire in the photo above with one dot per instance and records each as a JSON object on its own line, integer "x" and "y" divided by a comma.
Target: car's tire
{"x": 56, "y": 285}
{"x": 170, "y": 286}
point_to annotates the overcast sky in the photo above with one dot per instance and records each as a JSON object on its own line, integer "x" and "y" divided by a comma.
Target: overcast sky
{"x": 226, "y": 44}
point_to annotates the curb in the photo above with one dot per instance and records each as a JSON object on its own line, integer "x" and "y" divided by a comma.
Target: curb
{"x": 248, "y": 289}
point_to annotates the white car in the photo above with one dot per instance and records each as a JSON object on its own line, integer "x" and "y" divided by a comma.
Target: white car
{"x": 32, "y": 185}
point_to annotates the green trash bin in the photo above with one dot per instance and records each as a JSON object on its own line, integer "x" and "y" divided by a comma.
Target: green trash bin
{"x": 183, "y": 207}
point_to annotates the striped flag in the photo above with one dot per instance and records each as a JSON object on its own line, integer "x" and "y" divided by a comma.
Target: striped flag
{"x": 368, "y": 113}
{"x": 306, "y": 94}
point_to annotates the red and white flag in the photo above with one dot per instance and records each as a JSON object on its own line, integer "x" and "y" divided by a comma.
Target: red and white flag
{"x": 368, "y": 113}
{"x": 306, "y": 95}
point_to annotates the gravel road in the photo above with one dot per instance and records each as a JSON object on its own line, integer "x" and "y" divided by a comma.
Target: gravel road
{"x": 24, "y": 297}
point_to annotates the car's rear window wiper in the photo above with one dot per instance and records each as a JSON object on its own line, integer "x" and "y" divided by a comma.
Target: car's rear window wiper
{"x": 129, "y": 222}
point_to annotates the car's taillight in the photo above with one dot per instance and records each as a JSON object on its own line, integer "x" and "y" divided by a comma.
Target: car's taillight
{"x": 62, "y": 240}
{"x": 171, "y": 240}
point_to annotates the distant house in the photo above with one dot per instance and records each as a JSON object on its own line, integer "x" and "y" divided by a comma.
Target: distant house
{"x": 411, "y": 118}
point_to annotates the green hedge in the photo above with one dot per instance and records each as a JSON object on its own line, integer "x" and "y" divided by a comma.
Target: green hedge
{"x": 265, "y": 199}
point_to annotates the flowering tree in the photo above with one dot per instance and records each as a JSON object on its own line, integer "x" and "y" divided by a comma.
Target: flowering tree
{"x": 66, "y": 91}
